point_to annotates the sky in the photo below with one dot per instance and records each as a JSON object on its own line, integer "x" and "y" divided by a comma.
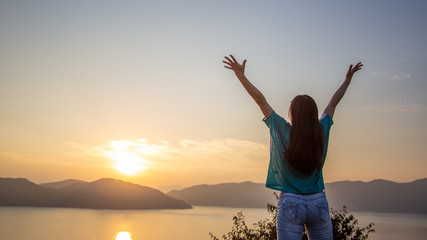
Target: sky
{"x": 136, "y": 90}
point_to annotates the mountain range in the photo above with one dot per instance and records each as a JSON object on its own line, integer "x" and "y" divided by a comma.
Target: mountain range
{"x": 374, "y": 196}
{"x": 100, "y": 194}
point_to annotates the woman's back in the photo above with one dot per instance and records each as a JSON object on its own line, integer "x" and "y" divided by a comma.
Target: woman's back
{"x": 281, "y": 175}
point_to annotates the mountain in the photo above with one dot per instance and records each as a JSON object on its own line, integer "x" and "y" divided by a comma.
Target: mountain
{"x": 101, "y": 194}
{"x": 116, "y": 194}
{"x": 62, "y": 184}
{"x": 21, "y": 192}
{"x": 244, "y": 195}
{"x": 379, "y": 196}
{"x": 374, "y": 196}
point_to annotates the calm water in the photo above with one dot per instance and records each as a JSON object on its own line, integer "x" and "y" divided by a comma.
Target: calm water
{"x": 192, "y": 224}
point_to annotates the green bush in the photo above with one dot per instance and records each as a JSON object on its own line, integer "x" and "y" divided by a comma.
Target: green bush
{"x": 344, "y": 227}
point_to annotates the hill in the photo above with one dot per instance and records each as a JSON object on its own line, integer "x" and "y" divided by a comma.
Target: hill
{"x": 62, "y": 184}
{"x": 379, "y": 196}
{"x": 116, "y": 194}
{"x": 244, "y": 194}
{"x": 100, "y": 194}
{"x": 21, "y": 192}
{"x": 374, "y": 196}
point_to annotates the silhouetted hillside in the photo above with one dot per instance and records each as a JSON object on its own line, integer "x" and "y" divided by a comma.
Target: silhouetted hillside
{"x": 116, "y": 194}
{"x": 245, "y": 195}
{"x": 374, "y": 196}
{"x": 379, "y": 196}
{"x": 62, "y": 184}
{"x": 21, "y": 192}
{"x": 100, "y": 194}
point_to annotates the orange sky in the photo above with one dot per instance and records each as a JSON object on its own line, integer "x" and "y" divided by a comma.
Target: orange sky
{"x": 88, "y": 89}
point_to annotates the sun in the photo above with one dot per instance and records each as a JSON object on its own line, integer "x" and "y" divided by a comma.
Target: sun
{"x": 123, "y": 236}
{"x": 126, "y": 161}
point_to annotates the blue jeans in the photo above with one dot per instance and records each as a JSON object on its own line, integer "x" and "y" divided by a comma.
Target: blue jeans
{"x": 296, "y": 210}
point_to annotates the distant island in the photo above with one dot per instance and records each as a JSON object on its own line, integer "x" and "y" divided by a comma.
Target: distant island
{"x": 374, "y": 196}
{"x": 100, "y": 194}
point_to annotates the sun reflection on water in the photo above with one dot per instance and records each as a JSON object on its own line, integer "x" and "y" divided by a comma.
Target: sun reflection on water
{"x": 123, "y": 236}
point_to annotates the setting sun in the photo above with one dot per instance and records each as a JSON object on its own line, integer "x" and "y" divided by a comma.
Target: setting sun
{"x": 126, "y": 161}
{"x": 123, "y": 236}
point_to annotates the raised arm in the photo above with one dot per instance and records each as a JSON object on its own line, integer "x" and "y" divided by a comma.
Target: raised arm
{"x": 336, "y": 98}
{"x": 239, "y": 70}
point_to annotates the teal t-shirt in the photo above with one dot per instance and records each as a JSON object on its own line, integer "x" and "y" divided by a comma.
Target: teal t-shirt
{"x": 280, "y": 175}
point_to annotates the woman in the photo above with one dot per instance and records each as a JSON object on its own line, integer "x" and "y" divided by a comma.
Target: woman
{"x": 297, "y": 154}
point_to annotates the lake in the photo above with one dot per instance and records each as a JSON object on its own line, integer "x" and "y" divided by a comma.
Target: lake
{"x": 28, "y": 223}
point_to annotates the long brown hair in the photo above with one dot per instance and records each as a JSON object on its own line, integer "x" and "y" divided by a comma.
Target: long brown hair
{"x": 307, "y": 142}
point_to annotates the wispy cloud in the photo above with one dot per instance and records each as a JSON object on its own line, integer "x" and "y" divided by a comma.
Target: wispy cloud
{"x": 396, "y": 76}
{"x": 187, "y": 152}
{"x": 395, "y": 108}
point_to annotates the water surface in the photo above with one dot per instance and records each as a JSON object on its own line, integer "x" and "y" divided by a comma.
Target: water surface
{"x": 28, "y": 223}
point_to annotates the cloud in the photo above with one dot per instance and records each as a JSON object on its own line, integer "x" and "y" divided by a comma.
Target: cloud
{"x": 187, "y": 153}
{"x": 395, "y": 108}
{"x": 398, "y": 76}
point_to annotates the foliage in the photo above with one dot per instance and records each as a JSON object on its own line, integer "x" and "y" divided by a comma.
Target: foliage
{"x": 344, "y": 227}
{"x": 263, "y": 229}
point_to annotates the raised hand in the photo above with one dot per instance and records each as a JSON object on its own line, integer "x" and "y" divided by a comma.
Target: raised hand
{"x": 239, "y": 69}
{"x": 352, "y": 70}
{"x": 336, "y": 98}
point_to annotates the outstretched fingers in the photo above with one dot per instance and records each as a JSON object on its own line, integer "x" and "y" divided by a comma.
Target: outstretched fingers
{"x": 358, "y": 66}
{"x": 228, "y": 67}
{"x": 228, "y": 59}
{"x": 352, "y": 69}
{"x": 231, "y": 63}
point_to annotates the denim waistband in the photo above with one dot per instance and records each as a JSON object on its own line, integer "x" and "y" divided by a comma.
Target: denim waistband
{"x": 311, "y": 196}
